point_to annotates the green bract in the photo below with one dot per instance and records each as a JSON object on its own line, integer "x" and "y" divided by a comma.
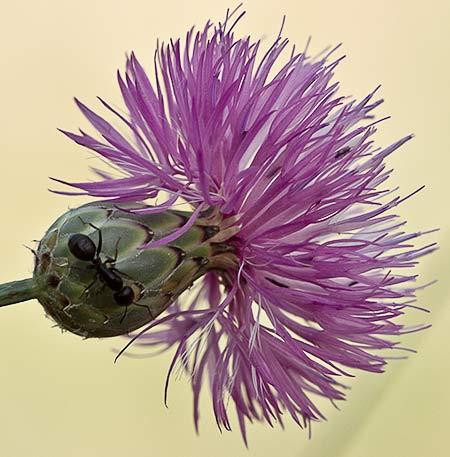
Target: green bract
{"x": 73, "y": 294}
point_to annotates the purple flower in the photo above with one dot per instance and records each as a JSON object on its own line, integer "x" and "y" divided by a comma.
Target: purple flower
{"x": 317, "y": 276}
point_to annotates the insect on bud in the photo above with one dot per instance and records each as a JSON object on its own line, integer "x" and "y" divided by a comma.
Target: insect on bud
{"x": 94, "y": 279}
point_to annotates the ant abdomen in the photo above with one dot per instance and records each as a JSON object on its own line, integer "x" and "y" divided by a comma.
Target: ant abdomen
{"x": 125, "y": 296}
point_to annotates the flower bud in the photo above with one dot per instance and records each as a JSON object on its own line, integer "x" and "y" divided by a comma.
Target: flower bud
{"x": 93, "y": 277}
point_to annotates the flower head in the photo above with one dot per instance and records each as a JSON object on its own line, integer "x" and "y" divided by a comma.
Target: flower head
{"x": 287, "y": 169}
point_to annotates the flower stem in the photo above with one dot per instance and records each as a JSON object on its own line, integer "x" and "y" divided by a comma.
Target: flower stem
{"x": 17, "y": 291}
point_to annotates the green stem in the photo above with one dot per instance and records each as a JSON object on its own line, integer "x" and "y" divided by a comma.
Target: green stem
{"x": 17, "y": 291}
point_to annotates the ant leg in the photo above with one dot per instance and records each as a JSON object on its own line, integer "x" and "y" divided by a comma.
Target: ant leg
{"x": 88, "y": 223}
{"x": 122, "y": 273}
{"x": 144, "y": 306}
{"x": 116, "y": 253}
{"x": 90, "y": 285}
{"x": 124, "y": 314}
{"x": 99, "y": 246}
{"x": 100, "y": 240}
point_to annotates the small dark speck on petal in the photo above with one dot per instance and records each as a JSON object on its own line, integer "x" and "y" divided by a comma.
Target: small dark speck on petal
{"x": 342, "y": 152}
{"x": 279, "y": 284}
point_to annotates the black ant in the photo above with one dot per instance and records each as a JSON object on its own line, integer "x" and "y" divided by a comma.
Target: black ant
{"x": 83, "y": 248}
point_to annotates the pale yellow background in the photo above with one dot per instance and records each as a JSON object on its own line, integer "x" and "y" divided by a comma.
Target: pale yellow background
{"x": 63, "y": 397}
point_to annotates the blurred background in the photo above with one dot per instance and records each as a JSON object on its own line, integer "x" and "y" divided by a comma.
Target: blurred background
{"x": 62, "y": 396}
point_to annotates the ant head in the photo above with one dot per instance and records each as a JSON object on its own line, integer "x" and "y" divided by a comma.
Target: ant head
{"x": 82, "y": 247}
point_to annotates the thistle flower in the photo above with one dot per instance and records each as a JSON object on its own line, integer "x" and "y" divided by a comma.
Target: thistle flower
{"x": 309, "y": 275}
